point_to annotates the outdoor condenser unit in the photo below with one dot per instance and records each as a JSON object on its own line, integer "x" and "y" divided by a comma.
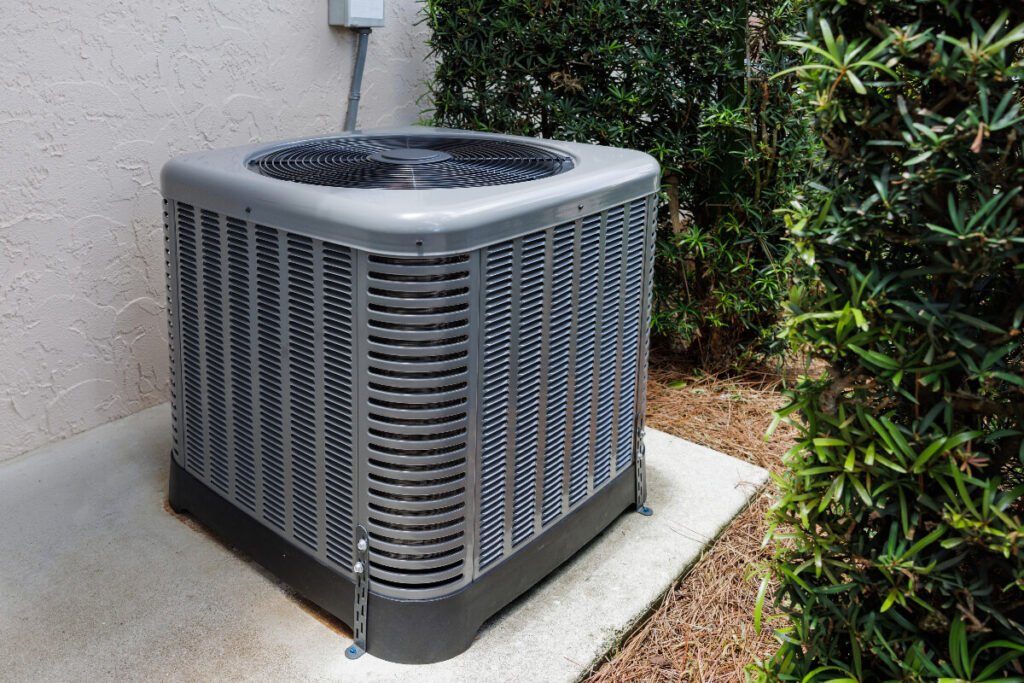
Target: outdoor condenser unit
{"x": 408, "y": 367}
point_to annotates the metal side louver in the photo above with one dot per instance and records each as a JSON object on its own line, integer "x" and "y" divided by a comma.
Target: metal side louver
{"x": 415, "y": 420}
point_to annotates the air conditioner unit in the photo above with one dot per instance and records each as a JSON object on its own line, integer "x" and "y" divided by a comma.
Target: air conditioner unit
{"x": 408, "y": 367}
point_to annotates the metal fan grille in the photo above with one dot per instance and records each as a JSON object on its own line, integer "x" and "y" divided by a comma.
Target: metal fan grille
{"x": 363, "y": 162}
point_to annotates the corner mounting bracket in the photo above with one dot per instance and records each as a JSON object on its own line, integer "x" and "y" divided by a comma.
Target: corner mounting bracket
{"x": 361, "y": 570}
{"x": 641, "y": 464}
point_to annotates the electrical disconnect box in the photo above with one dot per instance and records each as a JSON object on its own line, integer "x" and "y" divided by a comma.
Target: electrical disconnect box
{"x": 355, "y": 13}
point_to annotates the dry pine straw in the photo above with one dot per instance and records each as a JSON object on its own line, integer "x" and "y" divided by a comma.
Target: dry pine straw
{"x": 703, "y": 631}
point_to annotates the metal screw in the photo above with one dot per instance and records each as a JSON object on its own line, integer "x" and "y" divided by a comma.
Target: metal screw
{"x": 358, "y": 568}
{"x": 579, "y": 206}
{"x": 361, "y": 546}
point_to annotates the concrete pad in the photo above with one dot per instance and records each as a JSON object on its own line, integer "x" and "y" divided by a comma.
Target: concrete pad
{"x": 98, "y": 581}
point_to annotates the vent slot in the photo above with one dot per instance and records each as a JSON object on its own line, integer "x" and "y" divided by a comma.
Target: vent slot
{"x": 416, "y": 419}
{"x": 303, "y": 391}
{"x": 608, "y": 369}
{"x": 581, "y": 468}
{"x": 559, "y": 322}
{"x": 192, "y": 335}
{"x": 338, "y": 415}
{"x": 269, "y": 352}
{"x": 528, "y": 386}
{"x": 240, "y": 322}
{"x": 214, "y": 359}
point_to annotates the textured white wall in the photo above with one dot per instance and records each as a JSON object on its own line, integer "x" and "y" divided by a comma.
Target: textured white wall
{"x": 94, "y": 96}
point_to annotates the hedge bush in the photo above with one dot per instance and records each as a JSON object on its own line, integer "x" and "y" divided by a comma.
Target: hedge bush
{"x": 686, "y": 82}
{"x": 899, "y": 534}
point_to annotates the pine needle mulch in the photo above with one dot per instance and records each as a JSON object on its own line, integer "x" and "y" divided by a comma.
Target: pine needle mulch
{"x": 703, "y": 631}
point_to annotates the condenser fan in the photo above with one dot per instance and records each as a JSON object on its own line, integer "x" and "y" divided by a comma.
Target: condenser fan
{"x": 410, "y": 162}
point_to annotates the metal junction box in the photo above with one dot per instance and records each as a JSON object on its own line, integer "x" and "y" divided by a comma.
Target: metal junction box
{"x": 355, "y": 13}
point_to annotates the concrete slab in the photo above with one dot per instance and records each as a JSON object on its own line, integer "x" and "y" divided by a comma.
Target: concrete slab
{"x": 98, "y": 581}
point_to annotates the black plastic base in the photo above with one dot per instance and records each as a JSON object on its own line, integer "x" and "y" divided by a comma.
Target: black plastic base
{"x": 406, "y": 631}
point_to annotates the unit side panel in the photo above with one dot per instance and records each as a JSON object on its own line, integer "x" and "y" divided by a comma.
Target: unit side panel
{"x": 563, "y": 332}
{"x": 262, "y": 344}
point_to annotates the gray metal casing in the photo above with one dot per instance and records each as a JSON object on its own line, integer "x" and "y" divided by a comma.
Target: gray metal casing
{"x": 456, "y": 370}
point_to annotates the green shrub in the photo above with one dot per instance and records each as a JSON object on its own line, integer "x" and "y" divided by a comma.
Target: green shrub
{"x": 899, "y": 535}
{"x": 684, "y": 81}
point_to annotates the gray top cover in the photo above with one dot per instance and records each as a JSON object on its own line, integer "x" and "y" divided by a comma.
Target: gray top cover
{"x": 411, "y": 221}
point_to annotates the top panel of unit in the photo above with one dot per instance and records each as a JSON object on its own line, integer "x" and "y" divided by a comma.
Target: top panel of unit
{"x": 412, "y": 190}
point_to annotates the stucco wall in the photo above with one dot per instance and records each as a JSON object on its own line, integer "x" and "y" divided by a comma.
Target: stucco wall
{"x": 94, "y": 97}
